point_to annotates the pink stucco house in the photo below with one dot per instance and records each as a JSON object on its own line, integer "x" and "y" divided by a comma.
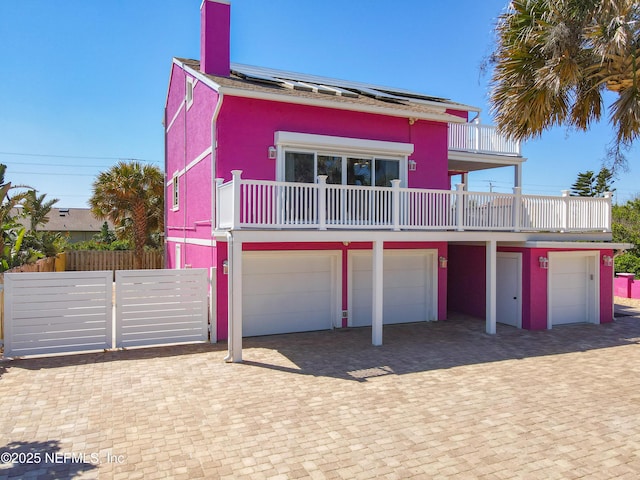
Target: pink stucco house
{"x": 321, "y": 203}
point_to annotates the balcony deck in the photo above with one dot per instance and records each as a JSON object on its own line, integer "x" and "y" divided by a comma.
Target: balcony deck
{"x": 271, "y": 205}
{"x": 478, "y": 138}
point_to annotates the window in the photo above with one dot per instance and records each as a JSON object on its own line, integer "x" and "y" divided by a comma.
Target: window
{"x": 189, "y": 92}
{"x": 345, "y": 161}
{"x": 304, "y": 167}
{"x": 176, "y": 192}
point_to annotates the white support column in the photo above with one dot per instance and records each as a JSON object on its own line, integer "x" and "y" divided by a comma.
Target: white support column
{"x": 234, "y": 334}
{"x": 565, "y": 210}
{"x": 378, "y": 291}
{"x": 465, "y": 181}
{"x": 516, "y": 208}
{"x": 237, "y": 179}
{"x": 216, "y": 220}
{"x": 517, "y": 177}
{"x": 322, "y": 202}
{"x": 395, "y": 201}
{"x": 460, "y": 207}
{"x": 491, "y": 287}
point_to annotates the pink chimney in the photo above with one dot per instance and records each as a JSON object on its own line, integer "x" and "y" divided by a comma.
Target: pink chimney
{"x": 215, "y": 29}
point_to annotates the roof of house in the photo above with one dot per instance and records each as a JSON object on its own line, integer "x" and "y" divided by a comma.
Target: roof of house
{"x": 70, "y": 220}
{"x": 279, "y": 85}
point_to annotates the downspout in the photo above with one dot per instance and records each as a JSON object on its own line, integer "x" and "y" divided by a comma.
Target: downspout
{"x": 183, "y": 191}
{"x": 214, "y": 219}
{"x": 214, "y": 156}
{"x": 165, "y": 214}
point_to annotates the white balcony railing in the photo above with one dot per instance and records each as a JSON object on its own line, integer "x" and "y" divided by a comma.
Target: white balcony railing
{"x": 276, "y": 205}
{"x": 473, "y": 137}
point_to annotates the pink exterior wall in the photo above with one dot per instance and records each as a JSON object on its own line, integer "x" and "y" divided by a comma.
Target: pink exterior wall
{"x": 626, "y": 286}
{"x": 187, "y": 138}
{"x": 246, "y": 129}
{"x": 222, "y": 280}
{"x": 467, "y": 283}
{"x": 467, "y": 280}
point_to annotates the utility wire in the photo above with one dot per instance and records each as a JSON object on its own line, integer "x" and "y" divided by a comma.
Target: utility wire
{"x": 84, "y": 157}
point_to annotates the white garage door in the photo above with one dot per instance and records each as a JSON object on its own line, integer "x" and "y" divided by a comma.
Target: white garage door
{"x": 409, "y": 286}
{"x": 572, "y": 288}
{"x": 285, "y": 292}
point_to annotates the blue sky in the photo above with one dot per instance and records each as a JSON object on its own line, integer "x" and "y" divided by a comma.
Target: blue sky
{"x": 83, "y": 83}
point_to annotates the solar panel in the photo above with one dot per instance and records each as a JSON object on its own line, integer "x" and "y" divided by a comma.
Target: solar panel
{"x": 259, "y": 78}
{"x": 330, "y": 86}
{"x": 381, "y": 95}
{"x": 292, "y": 84}
{"x": 319, "y": 88}
{"x": 341, "y": 91}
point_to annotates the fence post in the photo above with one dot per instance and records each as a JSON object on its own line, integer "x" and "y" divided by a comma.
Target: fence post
{"x": 322, "y": 202}
{"x": 517, "y": 205}
{"x": 216, "y": 222}
{"x": 607, "y": 216}
{"x": 395, "y": 201}
{"x": 565, "y": 211}
{"x": 236, "y": 208}
{"x": 460, "y": 207}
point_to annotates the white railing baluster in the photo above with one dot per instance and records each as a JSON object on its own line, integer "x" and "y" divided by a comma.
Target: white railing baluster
{"x": 242, "y": 203}
{"x": 474, "y": 137}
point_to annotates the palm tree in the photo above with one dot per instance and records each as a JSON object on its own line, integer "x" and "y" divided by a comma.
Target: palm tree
{"x": 130, "y": 193}
{"x": 37, "y": 208}
{"x": 555, "y": 58}
{"x": 12, "y": 232}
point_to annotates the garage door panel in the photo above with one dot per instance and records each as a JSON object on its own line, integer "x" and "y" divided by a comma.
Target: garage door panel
{"x": 289, "y": 292}
{"x": 273, "y": 304}
{"x": 270, "y": 325}
{"x": 572, "y": 288}
{"x": 403, "y": 296}
{"x": 406, "y": 286}
{"x": 304, "y": 264}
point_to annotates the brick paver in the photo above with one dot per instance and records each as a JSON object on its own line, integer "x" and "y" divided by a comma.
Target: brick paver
{"x": 438, "y": 400}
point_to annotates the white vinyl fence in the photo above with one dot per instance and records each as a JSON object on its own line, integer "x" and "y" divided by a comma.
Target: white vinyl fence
{"x": 58, "y": 312}
{"x": 160, "y": 306}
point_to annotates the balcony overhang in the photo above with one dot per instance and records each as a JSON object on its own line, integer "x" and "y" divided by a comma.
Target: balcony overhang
{"x": 527, "y": 239}
{"x": 463, "y": 162}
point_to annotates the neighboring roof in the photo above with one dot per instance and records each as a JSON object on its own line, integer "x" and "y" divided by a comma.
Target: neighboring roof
{"x": 70, "y": 220}
{"x": 278, "y": 85}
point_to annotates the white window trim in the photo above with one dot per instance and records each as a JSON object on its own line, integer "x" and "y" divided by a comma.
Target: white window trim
{"x": 175, "y": 192}
{"x": 189, "y": 88}
{"x": 340, "y": 146}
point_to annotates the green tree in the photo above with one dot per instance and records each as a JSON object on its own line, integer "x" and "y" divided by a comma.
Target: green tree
{"x": 553, "y": 61}
{"x": 37, "y": 209}
{"x": 588, "y": 184}
{"x": 626, "y": 229}
{"x": 131, "y": 195}
{"x": 12, "y": 232}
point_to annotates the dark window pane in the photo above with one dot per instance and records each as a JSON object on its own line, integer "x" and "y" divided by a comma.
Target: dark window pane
{"x": 331, "y": 167}
{"x": 298, "y": 167}
{"x": 386, "y": 170}
{"x": 358, "y": 171}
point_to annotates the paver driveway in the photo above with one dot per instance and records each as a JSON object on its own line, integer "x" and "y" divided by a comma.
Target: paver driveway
{"x": 438, "y": 400}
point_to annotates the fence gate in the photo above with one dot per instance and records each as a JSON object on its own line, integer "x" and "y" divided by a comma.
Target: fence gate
{"x": 57, "y": 312}
{"x": 156, "y": 307}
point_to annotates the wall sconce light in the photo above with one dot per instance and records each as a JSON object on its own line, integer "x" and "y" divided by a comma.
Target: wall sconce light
{"x": 412, "y": 165}
{"x": 607, "y": 260}
{"x": 544, "y": 262}
{"x": 272, "y": 153}
{"x": 443, "y": 262}
{"x": 225, "y": 267}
